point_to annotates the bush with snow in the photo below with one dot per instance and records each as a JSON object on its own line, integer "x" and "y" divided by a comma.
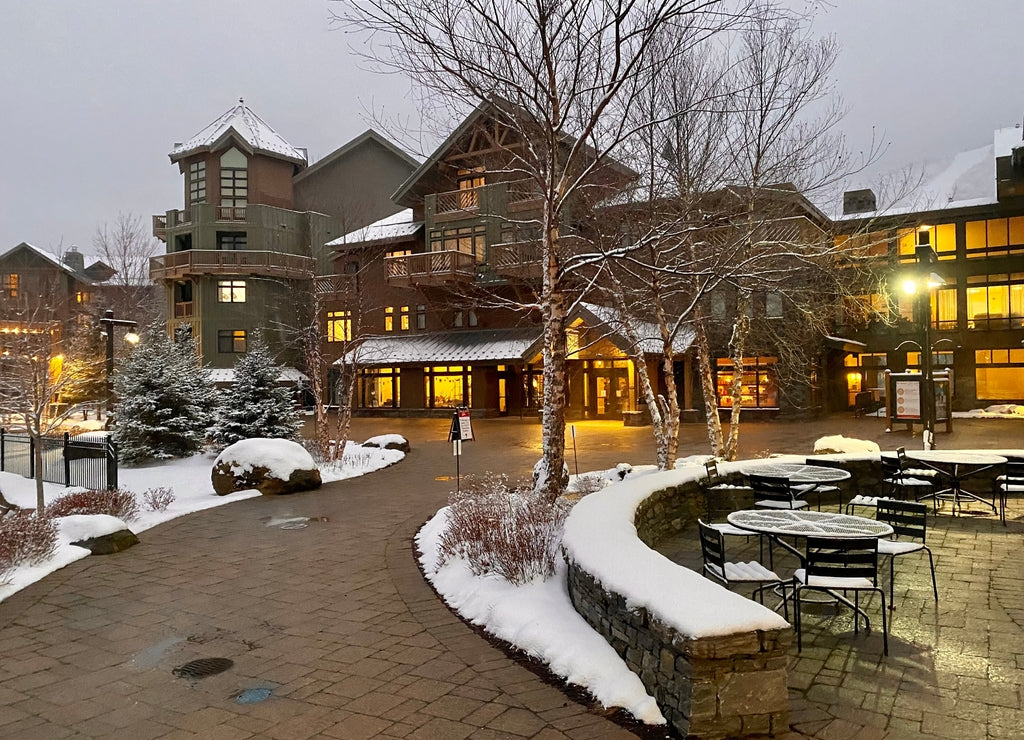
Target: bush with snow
{"x": 504, "y": 529}
{"x": 588, "y": 483}
{"x": 157, "y": 499}
{"x": 255, "y": 405}
{"x": 271, "y": 466}
{"x": 26, "y": 538}
{"x": 116, "y": 502}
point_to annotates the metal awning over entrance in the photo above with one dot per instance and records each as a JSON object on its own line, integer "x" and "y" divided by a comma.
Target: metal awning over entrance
{"x": 439, "y": 348}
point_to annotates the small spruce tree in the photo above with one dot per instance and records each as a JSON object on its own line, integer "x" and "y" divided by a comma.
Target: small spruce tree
{"x": 255, "y": 406}
{"x": 165, "y": 399}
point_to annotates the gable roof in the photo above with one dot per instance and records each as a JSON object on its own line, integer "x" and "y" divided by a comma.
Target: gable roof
{"x": 241, "y": 123}
{"x": 84, "y": 277}
{"x": 367, "y": 136}
{"x": 406, "y": 195}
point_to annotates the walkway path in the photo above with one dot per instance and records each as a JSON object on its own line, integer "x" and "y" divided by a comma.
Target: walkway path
{"x": 334, "y": 617}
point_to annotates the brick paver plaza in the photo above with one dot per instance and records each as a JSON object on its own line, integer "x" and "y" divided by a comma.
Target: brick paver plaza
{"x": 336, "y": 620}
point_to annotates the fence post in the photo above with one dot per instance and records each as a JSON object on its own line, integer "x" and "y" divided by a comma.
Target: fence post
{"x": 111, "y": 463}
{"x": 67, "y": 462}
{"x": 31, "y": 457}
{"x": 2, "y": 450}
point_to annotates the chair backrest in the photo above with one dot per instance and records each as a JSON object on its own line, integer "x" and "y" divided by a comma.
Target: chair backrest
{"x": 907, "y": 518}
{"x": 711, "y": 466}
{"x": 837, "y": 557}
{"x": 773, "y": 487}
{"x": 1015, "y": 470}
{"x": 901, "y": 456}
{"x": 712, "y": 547}
{"x": 891, "y": 467}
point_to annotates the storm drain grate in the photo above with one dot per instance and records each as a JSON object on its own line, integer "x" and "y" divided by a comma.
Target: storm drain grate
{"x": 203, "y": 667}
{"x": 252, "y": 696}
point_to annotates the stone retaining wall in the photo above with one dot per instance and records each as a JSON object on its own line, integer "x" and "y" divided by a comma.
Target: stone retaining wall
{"x": 712, "y": 687}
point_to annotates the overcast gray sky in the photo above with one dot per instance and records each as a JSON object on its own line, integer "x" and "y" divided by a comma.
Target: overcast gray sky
{"x": 94, "y": 94}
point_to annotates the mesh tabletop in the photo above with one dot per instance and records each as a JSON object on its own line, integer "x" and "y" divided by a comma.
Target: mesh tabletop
{"x": 807, "y": 523}
{"x": 799, "y": 472}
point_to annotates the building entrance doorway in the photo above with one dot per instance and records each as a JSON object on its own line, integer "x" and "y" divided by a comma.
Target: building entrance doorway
{"x": 608, "y": 388}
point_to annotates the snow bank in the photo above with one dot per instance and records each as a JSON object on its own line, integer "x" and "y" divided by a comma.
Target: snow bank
{"x": 601, "y": 538}
{"x": 281, "y": 457}
{"x": 78, "y": 527}
{"x": 382, "y": 440}
{"x": 539, "y": 619}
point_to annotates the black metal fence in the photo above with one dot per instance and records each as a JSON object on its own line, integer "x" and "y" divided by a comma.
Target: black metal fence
{"x": 88, "y": 460}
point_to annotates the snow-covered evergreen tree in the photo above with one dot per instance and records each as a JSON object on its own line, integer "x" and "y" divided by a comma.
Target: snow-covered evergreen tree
{"x": 165, "y": 399}
{"x": 255, "y": 406}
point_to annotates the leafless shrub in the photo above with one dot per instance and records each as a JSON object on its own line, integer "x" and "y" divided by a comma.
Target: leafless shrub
{"x": 503, "y": 528}
{"x": 587, "y": 484}
{"x": 113, "y": 501}
{"x": 25, "y": 539}
{"x": 157, "y": 499}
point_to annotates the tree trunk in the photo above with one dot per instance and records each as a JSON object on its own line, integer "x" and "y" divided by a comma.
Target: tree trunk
{"x": 707, "y": 386}
{"x": 553, "y": 303}
{"x": 737, "y": 344}
{"x": 37, "y": 456}
{"x": 346, "y": 391}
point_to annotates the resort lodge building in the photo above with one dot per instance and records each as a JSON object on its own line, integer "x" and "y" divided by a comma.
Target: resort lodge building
{"x": 973, "y": 219}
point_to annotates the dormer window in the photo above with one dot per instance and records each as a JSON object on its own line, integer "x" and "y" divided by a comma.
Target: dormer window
{"x": 197, "y": 182}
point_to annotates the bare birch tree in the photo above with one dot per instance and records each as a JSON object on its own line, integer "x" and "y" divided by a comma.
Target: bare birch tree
{"x": 560, "y": 76}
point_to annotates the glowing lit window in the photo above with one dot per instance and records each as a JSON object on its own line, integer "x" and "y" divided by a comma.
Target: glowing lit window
{"x": 760, "y": 386}
{"x": 231, "y": 291}
{"x": 389, "y": 318}
{"x": 339, "y": 326}
{"x": 231, "y": 341}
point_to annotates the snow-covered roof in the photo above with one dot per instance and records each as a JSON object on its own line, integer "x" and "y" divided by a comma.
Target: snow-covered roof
{"x": 649, "y": 332}
{"x": 963, "y": 180}
{"x": 249, "y": 127}
{"x": 463, "y": 347}
{"x": 52, "y": 260}
{"x": 227, "y": 375}
{"x": 396, "y": 227}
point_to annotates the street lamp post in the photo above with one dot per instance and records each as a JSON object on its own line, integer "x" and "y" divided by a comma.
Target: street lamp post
{"x": 925, "y": 259}
{"x": 109, "y": 322}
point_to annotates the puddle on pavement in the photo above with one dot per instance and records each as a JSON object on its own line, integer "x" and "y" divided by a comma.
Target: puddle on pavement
{"x": 253, "y": 696}
{"x": 294, "y": 522}
{"x": 149, "y": 657}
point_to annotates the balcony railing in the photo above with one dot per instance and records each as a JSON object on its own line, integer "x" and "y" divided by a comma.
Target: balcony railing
{"x": 493, "y": 199}
{"x": 230, "y": 262}
{"x": 335, "y": 285}
{"x": 431, "y": 267}
{"x": 162, "y": 222}
{"x": 183, "y": 309}
{"x": 517, "y": 259}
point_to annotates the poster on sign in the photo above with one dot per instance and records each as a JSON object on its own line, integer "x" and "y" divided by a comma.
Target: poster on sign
{"x": 465, "y": 425}
{"x": 908, "y": 399}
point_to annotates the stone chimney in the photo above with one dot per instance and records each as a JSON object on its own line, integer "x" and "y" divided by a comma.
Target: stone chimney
{"x": 859, "y": 201}
{"x": 74, "y": 260}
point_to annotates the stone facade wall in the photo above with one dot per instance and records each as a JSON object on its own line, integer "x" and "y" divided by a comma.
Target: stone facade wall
{"x": 714, "y": 687}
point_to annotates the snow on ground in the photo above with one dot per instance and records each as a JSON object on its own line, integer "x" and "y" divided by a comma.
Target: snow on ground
{"x": 539, "y": 619}
{"x": 188, "y": 478}
{"x": 281, "y": 457}
{"x": 839, "y": 443}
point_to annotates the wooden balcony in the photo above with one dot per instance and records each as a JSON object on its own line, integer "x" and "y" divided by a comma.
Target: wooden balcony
{"x": 430, "y": 268}
{"x": 169, "y": 220}
{"x": 230, "y": 262}
{"x": 519, "y": 260}
{"x": 496, "y": 199}
{"x": 335, "y": 286}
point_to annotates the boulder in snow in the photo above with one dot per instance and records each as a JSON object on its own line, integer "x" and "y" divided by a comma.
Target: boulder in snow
{"x": 271, "y": 466}
{"x": 100, "y": 534}
{"x": 388, "y": 442}
{"x": 837, "y": 443}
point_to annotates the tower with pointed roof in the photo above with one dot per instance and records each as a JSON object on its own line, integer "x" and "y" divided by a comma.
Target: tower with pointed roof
{"x": 255, "y": 220}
